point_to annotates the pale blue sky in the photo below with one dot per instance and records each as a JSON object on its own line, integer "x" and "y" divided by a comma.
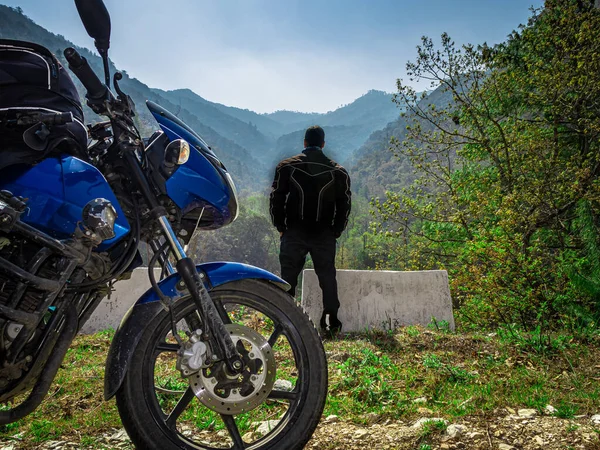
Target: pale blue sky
{"x": 264, "y": 55}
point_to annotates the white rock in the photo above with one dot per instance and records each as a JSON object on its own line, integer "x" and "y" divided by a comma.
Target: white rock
{"x": 249, "y": 436}
{"x": 453, "y": 431}
{"x": 527, "y": 413}
{"x": 550, "y": 409}
{"x": 420, "y": 400}
{"x": 360, "y": 433}
{"x": 267, "y": 426}
{"x": 283, "y": 385}
{"x": 596, "y": 419}
{"x": 422, "y": 421}
{"x": 539, "y": 441}
{"x": 332, "y": 419}
{"x": 505, "y": 447}
{"x": 120, "y": 435}
{"x": 475, "y": 435}
{"x": 8, "y": 447}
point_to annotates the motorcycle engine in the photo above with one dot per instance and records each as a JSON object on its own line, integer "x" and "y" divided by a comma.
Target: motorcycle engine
{"x": 26, "y": 255}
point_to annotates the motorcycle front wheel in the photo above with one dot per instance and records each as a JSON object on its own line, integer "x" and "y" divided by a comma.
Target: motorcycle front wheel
{"x": 275, "y": 404}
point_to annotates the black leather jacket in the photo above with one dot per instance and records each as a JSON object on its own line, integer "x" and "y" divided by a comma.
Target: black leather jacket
{"x": 311, "y": 192}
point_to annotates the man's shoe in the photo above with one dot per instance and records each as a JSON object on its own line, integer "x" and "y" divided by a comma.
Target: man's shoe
{"x": 335, "y": 326}
{"x": 332, "y": 327}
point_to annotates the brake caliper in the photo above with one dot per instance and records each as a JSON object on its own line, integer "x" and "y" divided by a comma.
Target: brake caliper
{"x": 193, "y": 355}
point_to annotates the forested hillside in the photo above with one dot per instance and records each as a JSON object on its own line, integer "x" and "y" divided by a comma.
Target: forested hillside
{"x": 375, "y": 166}
{"x": 499, "y": 183}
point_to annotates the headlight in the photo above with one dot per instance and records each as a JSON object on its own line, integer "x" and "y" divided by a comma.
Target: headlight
{"x": 184, "y": 153}
{"x": 177, "y": 152}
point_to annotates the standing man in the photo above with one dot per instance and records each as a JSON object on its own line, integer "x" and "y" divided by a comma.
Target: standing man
{"x": 310, "y": 204}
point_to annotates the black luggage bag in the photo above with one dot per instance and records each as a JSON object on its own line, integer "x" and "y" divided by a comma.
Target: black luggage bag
{"x": 40, "y": 110}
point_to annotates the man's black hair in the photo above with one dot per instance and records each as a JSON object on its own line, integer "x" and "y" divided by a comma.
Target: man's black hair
{"x": 314, "y": 136}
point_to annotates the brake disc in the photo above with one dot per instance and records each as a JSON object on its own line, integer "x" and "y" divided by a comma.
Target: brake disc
{"x": 227, "y": 393}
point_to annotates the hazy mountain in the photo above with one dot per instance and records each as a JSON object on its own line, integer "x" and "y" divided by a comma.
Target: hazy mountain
{"x": 293, "y": 118}
{"x": 264, "y": 124}
{"x": 245, "y": 134}
{"x": 374, "y": 168}
{"x": 351, "y": 124}
{"x": 340, "y": 142}
{"x": 372, "y": 111}
{"x": 346, "y": 128}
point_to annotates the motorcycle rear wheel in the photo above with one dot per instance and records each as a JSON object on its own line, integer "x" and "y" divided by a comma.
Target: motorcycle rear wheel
{"x": 160, "y": 410}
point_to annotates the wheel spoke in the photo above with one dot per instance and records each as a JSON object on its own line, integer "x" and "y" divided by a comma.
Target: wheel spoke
{"x": 221, "y": 310}
{"x": 183, "y": 402}
{"x": 276, "y": 333}
{"x": 164, "y": 347}
{"x": 236, "y": 437}
{"x": 283, "y": 395}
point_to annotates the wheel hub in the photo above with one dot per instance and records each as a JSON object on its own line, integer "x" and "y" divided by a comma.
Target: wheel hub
{"x": 228, "y": 393}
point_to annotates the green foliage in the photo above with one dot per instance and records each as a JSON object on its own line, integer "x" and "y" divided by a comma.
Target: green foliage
{"x": 504, "y": 150}
{"x": 584, "y": 273}
{"x": 566, "y": 411}
{"x": 439, "y": 325}
{"x": 433, "y": 426}
{"x": 538, "y": 340}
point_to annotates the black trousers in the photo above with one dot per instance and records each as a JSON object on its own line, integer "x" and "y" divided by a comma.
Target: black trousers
{"x": 295, "y": 245}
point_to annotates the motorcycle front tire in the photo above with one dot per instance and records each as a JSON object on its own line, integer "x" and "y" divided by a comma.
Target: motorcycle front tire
{"x": 151, "y": 428}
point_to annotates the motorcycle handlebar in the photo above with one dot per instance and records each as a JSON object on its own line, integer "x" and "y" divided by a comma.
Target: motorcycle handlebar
{"x": 82, "y": 70}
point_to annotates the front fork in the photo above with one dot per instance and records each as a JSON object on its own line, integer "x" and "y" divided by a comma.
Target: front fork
{"x": 185, "y": 267}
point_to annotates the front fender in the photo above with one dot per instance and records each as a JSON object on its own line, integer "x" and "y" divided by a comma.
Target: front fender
{"x": 148, "y": 307}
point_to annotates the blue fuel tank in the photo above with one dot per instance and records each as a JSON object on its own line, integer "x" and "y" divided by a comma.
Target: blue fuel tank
{"x": 57, "y": 189}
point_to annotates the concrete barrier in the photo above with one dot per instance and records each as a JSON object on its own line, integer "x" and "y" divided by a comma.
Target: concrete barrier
{"x": 109, "y": 312}
{"x": 377, "y": 299}
{"x": 369, "y": 299}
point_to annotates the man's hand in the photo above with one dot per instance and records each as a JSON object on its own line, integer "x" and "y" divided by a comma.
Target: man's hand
{"x": 281, "y": 234}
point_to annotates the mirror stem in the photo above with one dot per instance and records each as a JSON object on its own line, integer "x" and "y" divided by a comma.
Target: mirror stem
{"x": 106, "y": 69}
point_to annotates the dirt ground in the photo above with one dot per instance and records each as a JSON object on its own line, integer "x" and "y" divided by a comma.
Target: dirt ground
{"x": 505, "y": 430}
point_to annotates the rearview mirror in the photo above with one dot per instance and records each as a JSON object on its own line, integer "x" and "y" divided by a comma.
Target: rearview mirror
{"x": 96, "y": 21}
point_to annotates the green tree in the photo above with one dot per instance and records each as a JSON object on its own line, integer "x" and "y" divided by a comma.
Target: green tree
{"x": 504, "y": 154}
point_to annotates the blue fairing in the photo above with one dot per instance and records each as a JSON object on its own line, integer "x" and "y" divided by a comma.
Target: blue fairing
{"x": 202, "y": 183}
{"x": 193, "y": 181}
{"x": 218, "y": 273}
{"x": 57, "y": 189}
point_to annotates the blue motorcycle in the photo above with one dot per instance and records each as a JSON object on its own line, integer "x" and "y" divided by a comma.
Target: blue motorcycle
{"x": 210, "y": 349}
